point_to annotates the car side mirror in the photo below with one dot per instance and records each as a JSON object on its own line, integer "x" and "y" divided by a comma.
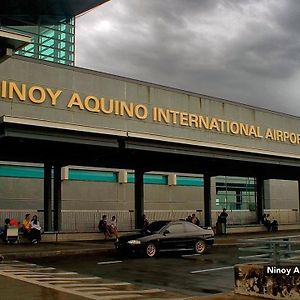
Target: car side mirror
{"x": 166, "y": 232}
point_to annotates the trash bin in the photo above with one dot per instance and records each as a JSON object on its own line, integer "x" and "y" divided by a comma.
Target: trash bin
{"x": 223, "y": 228}
{"x": 219, "y": 228}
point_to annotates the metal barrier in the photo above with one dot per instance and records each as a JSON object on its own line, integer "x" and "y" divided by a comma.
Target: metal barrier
{"x": 87, "y": 220}
{"x": 275, "y": 251}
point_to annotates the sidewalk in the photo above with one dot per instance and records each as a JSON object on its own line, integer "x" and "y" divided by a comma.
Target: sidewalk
{"x": 101, "y": 247}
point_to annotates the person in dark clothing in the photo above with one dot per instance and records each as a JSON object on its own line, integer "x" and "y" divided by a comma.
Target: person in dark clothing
{"x": 266, "y": 222}
{"x": 224, "y": 215}
{"x": 4, "y": 232}
{"x": 223, "y": 220}
{"x": 145, "y": 221}
{"x": 189, "y": 219}
{"x": 271, "y": 226}
{"x": 103, "y": 227}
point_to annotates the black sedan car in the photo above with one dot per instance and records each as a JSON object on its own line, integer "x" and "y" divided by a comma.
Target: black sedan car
{"x": 162, "y": 236}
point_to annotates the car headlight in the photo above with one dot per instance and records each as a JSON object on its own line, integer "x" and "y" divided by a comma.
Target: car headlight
{"x": 134, "y": 242}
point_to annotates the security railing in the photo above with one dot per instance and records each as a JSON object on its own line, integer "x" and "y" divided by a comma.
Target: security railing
{"x": 275, "y": 251}
{"x": 87, "y": 220}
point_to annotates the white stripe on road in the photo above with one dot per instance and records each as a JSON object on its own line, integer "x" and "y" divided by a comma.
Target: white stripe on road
{"x": 58, "y": 282}
{"x": 109, "y": 262}
{"x": 86, "y": 287}
{"x": 127, "y": 292}
{"x": 189, "y": 255}
{"x": 94, "y": 289}
{"x": 3, "y": 264}
{"x": 96, "y": 284}
{"x": 26, "y": 270}
{"x": 133, "y": 296}
{"x": 210, "y": 270}
{"x": 69, "y": 278}
{"x": 43, "y": 273}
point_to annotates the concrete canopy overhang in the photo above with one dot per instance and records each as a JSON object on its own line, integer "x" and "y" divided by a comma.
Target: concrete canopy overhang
{"x": 26, "y": 141}
{"x": 18, "y": 12}
{"x": 12, "y": 40}
{"x": 31, "y": 131}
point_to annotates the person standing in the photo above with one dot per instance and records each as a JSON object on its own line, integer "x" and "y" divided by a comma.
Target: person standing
{"x": 223, "y": 220}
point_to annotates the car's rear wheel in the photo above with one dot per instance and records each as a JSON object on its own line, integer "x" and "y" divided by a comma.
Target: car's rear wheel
{"x": 151, "y": 250}
{"x": 200, "y": 247}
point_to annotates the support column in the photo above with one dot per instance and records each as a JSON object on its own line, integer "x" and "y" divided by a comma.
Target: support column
{"x": 207, "y": 200}
{"x": 259, "y": 198}
{"x": 47, "y": 197}
{"x": 238, "y": 199}
{"x": 139, "y": 197}
{"x": 57, "y": 198}
{"x": 298, "y": 200}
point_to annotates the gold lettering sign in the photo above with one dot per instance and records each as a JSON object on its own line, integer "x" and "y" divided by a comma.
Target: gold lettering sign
{"x": 37, "y": 95}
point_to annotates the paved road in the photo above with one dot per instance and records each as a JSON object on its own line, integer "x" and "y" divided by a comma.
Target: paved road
{"x": 112, "y": 277}
{"x": 184, "y": 274}
{"x": 50, "y": 280}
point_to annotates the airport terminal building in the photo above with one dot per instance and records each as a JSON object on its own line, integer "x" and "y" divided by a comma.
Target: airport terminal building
{"x": 76, "y": 143}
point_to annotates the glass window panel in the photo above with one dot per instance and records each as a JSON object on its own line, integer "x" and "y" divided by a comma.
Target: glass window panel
{"x": 59, "y": 39}
{"x": 235, "y": 193}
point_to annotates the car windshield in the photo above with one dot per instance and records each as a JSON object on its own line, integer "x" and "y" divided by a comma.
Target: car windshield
{"x": 155, "y": 226}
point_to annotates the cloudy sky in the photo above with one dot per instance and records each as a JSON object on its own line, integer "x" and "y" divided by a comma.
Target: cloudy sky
{"x": 242, "y": 50}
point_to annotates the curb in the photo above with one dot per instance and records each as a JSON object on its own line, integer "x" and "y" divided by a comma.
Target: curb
{"x": 71, "y": 252}
{"x": 55, "y": 253}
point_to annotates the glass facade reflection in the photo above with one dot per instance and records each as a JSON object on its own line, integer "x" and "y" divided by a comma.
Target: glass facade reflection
{"x": 53, "y": 43}
{"x": 235, "y": 193}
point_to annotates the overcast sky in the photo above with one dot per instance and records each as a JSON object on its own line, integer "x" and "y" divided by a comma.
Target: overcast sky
{"x": 242, "y": 50}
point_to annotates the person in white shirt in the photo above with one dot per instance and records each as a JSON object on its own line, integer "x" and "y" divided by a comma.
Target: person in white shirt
{"x": 113, "y": 227}
{"x": 35, "y": 230}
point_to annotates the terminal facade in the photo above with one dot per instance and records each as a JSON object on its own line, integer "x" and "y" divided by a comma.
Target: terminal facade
{"x": 78, "y": 143}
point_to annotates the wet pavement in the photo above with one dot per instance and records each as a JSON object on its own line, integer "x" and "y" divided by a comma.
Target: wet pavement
{"x": 27, "y": 250}
{"x": 15, "y": 287}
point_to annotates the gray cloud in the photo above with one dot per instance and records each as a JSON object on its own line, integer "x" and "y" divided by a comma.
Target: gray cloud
{"x": 247, "y": 51}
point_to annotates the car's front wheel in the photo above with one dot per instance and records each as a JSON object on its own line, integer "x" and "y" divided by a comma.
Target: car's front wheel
{"x": 200, "y": 247}
{"x": 151, "y": 250}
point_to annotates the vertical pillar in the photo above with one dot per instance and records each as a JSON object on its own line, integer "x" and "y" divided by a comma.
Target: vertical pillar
{"x": 139, "y": 197}
{"x": 207, "y": 200}
{"x": 213, "y": 192}
{"x": 57, "y": 198}
{"x": 238, "y": 199}
{"x": 298, "y": 200}
{"x": 47, "y": 197}
{"x": 259, "y": 198}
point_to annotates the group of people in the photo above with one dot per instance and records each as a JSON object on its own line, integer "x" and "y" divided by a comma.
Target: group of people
{"x": 30, "y": 227}
{"x": 193, "y": 219}
{"x": 271, "y": 226}
{"x": 108, "y": 228}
